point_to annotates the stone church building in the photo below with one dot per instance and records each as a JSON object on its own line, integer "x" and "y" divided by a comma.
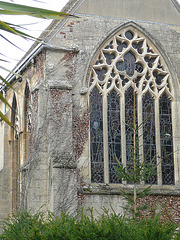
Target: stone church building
{"x": 73, "y": 109}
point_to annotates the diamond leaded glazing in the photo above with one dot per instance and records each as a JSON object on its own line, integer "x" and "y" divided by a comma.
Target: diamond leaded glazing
{"x": 126, "y": 66}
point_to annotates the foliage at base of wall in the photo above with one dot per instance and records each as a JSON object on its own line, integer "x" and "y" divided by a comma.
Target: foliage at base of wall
{"x": 22, "y": 225}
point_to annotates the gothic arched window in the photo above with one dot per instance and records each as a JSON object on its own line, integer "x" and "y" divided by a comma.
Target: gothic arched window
{"x": 128, "y": 70}
{"x": 27, "y": 122}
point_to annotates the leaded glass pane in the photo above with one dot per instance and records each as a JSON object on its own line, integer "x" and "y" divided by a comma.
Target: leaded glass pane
{"x": 101, "y": 73}
{"x": 149, "y": 136}
{"x": 109, "y": 58}
{"x": 129, "y": 121}
{"x": 138, "y": 46}
{"x": 166, "y": 140}
{"x": 128, "y": 64}
{"x": 129, "y": 35}
{"x": 96, "y": 137}
{"x": 114, "y": 134}
{"x": 120, "y": 45}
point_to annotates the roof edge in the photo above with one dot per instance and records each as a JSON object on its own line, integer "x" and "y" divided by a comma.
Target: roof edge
{"x": 37, "y": 47}
{"x": 176, "y": 4}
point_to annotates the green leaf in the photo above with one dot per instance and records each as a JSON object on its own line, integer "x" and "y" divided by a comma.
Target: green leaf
{"x": 16, "y": 9}
{"x": 6, "y": 82}
{"x": 9, "y": 28}
{"x": 4, "y": 100}
{"x": 6, "y": 27}
{"x": 2, "y": 116}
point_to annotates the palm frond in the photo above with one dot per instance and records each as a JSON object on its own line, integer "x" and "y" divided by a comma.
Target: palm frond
{"x": 4, "y": 118}
{"x": 16, "y": 9}
{"x": 4, "y": 100}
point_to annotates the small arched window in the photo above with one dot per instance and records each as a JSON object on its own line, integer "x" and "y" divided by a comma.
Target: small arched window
{"x": 128, "y": 69}
{"x": 27, "y": 122}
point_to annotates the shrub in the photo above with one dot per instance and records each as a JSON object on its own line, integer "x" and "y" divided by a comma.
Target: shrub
{"x": 23, "y": 225}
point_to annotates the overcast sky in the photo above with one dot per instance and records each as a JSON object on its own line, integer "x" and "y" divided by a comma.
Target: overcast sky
{"x": 35, "y": 26}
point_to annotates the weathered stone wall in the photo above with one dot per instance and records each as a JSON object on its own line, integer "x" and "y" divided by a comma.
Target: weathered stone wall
{"x": 87, "y": 34}
{"x": 5, "y": 177}
{"x": 18, "y": 165}
{"x": 57, "y": 171}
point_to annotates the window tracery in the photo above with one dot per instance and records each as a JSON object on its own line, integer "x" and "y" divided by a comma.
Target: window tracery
{"x": 128, "y": 63}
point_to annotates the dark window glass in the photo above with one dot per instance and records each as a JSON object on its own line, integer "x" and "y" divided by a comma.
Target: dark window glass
{"x": 149, "y": 137}
{"x": 129, "y": 121}
{"x": 129, "y": 64}
{"x": 109, "y": 58}
{"x": 101, "y": 73}
{"x": 138, "y": 46}
{"x": 120, "y": 45}
{"x": 166, "y": 140}
{"x": 96, "y": 137}
{"x": 114, "y": 134}
{"x": 129, "y": 35}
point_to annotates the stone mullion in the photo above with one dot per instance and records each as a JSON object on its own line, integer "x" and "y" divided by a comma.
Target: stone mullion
{"x": 105, "y": 139}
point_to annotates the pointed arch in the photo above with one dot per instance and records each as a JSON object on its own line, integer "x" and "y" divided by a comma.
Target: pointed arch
{"x": 129, "y": 64}
{"x": 14, "y": 109}
{"x": 129, "y": 52}
{"x": 27, "y": 112}
{"x": 15, "y": 118}
{"x": 154, "y": 46}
